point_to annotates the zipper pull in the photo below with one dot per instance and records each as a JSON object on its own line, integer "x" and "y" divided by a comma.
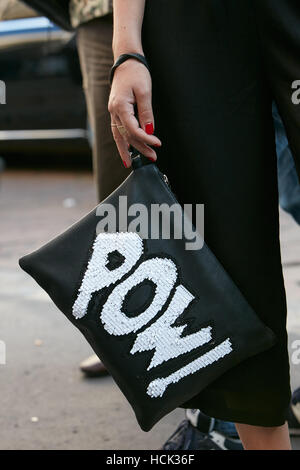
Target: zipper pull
{"x": 165, "y": 178}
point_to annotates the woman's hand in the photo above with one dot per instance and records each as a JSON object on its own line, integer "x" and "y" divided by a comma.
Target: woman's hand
{"x": 132, "y": 85}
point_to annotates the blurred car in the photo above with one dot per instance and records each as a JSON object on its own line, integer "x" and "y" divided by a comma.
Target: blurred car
{"x": 45, "y": 105}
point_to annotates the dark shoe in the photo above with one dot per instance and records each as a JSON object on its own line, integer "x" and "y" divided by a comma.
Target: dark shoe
{"x": 93, "y": 367}
{"x": 183, "y": 438}
{"x": 187, "y": 437}
{"x": 294, "y": 414}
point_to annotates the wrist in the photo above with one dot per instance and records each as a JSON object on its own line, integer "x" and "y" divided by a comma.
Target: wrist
{"x": 126, "y": 48}
{"x": 123, "y": 58}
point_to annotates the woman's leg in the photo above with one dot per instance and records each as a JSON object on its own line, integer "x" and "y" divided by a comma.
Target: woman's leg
{"x": 94, "y": 46}
{"x": 264, "y": 438}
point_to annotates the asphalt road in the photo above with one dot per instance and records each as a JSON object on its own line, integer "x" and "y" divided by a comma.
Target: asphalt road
{"x": 45, "y": 401}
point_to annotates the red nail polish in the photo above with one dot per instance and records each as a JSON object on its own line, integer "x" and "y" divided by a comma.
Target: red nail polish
{"x": 125, "y": 164}
{"x": 156, "y": 145}
{"x": 149, "y": 128}
{"x": 152, "y": 159}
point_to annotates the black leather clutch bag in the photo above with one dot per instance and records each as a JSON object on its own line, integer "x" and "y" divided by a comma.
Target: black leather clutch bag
{"x": 165, "y": 321}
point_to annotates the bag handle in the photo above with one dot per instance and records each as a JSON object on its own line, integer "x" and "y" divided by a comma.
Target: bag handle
{"x": 138, "y": 159}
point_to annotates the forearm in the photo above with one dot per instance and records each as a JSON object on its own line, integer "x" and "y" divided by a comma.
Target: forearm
{"x": 128, "y": 19}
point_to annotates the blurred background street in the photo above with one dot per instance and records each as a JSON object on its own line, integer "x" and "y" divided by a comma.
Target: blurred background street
{"x": 45, "y": 139}
{"x": 46, "y": 403}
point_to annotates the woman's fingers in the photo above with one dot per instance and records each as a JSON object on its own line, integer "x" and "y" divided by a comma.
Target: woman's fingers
{"x": 122, "y": 144}
{"x": 144, "y": 149}
{"x": 137, "y": 139}
{"x": 144, "y": 108}
{"x": 126, "y": 115}
{"x": 133, "y": 134}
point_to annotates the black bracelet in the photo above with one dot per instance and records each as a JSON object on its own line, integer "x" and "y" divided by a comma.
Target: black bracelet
{"x": 122, "y": 58}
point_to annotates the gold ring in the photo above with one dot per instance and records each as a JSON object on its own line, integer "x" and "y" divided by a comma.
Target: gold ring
{"x": 114, "y": 125}
{"x": 122, "y": 130}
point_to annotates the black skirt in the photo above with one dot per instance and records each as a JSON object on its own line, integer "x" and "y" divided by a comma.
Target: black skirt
{"x": 212, "y": 110}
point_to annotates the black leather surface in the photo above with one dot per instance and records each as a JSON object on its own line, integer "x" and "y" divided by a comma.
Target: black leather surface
{"x": 58, "y": 267}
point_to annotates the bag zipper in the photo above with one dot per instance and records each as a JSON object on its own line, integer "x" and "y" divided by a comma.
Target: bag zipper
{"x": 166, "y": 180}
